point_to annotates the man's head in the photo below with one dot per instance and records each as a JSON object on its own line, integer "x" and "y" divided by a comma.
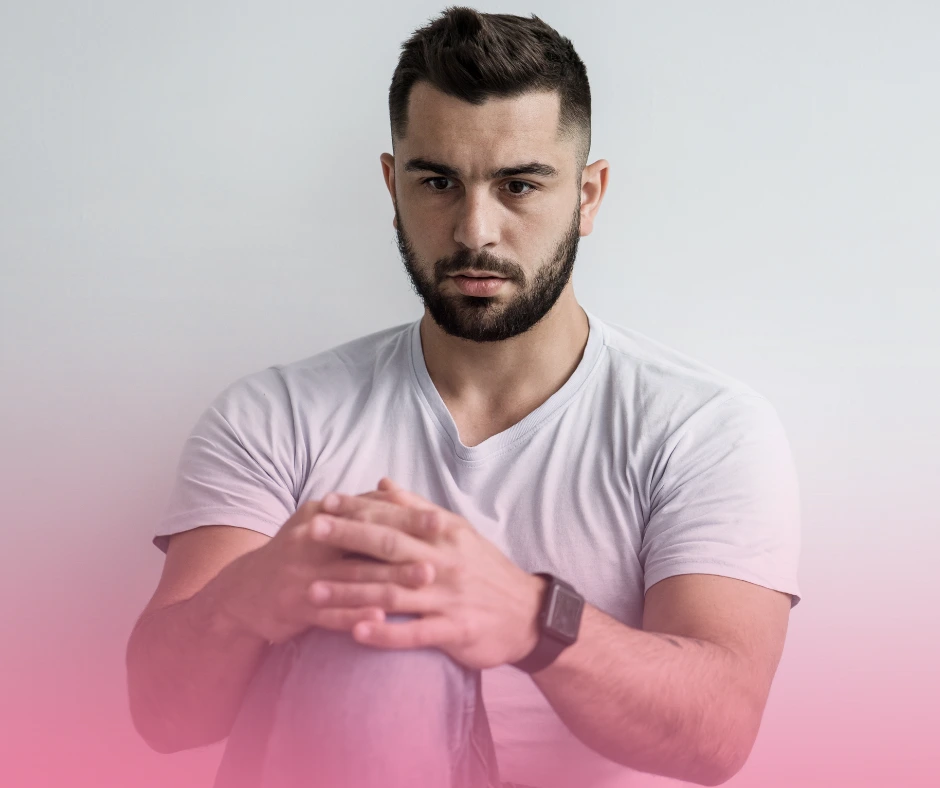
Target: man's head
{"x": 490, "y": 117}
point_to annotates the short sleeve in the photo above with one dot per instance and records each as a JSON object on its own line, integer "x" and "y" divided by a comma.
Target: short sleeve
{"x": 724, "y": 499}
{"x": 237, "y": 466}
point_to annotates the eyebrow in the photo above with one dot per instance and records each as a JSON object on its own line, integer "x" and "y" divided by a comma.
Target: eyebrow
{"x": 530, "y": 168}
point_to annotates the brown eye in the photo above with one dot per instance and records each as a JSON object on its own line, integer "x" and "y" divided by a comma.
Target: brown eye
{"x": 429, "y": 181}
{"x": 515, "y": 193}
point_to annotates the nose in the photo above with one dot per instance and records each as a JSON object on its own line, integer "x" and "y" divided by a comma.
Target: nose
{"x": 477, "y": 221}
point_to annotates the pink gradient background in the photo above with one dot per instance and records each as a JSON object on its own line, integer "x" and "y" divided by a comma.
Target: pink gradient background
{"x": 175, "y": 213}
{"x": 854, "y": 702}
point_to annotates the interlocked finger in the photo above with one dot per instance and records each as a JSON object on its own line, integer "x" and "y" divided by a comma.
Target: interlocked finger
{"x": 373, "y": 509}
{"x": 410, "y": 575}
{"x": 343, "y": 619}
{"x": 388, "y": 597}
{"x": 372, "y": 539}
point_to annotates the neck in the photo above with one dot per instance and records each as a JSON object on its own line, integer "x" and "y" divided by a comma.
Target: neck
{"x": 514, "y": 375}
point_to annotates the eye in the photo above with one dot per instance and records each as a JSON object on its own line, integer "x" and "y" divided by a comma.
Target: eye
{"x": 428, "y": 181}
{"x": 529, "y": 188}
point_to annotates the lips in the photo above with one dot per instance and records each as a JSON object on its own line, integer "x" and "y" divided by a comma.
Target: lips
{"x": 477, "y": 285}
{"x": 479, "y": 275}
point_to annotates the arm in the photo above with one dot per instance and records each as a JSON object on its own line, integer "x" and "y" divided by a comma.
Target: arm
{"x": 187, "y": 666}
{"x": 226, "y": 593}
{"x": 683, "y": 698}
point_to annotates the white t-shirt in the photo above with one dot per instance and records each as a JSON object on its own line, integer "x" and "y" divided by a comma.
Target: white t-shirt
{"x": 643, "y": 465}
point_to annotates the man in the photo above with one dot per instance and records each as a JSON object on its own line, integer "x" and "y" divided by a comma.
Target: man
{"x": 507, "y": 542}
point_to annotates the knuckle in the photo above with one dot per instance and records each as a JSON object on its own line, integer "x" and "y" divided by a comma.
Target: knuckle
{"x": 409, "y": 574}
{"x": 367, "y": 516}
{"x": 389, "y": 595}
{"x": 348, "y": 618}
{"x": 314, "y": 592}
{"x": 305, "y": 534}
{"x": 388, "y": 544}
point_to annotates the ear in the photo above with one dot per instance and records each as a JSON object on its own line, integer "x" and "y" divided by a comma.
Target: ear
{"x": 388, "y": 172}
{"x": 593, "y": 186}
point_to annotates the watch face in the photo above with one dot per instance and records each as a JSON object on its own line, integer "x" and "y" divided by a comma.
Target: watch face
{"x": 564, "y": 614}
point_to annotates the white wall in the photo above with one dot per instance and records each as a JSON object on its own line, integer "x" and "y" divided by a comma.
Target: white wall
{"x": 191, "y": 191}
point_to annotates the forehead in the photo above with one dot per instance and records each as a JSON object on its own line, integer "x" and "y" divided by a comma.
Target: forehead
{"x": 443, "y": 127}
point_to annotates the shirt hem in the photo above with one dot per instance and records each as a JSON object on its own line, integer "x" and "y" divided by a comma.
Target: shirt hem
{"x": 721, "y": 569}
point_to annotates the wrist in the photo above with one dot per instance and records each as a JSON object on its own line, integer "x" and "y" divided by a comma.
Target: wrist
{"x": 558, "y": 623}
{"x": 529, "y": 626}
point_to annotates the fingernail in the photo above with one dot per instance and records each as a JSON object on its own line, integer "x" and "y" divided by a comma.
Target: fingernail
{"x": 363, "y": 630}
{"x": 331, "y": 501}
{"x": 320, "y": 592}
{"x": 321, "y": 526}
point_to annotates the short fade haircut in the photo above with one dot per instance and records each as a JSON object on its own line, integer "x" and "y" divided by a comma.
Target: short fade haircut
{"x": 475, "y": 56}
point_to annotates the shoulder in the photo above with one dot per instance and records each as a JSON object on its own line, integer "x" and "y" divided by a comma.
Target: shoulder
{"x": 324, "y": 375}
{"x": 663, "y": 369}
{"x": 351, "y": 363}
{"x": 668, "y": 391}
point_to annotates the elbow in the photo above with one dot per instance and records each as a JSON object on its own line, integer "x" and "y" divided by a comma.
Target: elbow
{"x": 150, "y": 731}
{"x": 160, "y": 745}
{"x": 718, "y": 774}
{"x": 162, "y": 739}
{"x": 166, "y": 735}
{"x": 714, "y": 771}
{"x": 715, "y": 775}
{"x": 718, "y": 765}
{"x": 159, "y": 730}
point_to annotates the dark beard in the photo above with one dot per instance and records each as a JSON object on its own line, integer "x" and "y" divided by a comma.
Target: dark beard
{"x": 484, "y": 319}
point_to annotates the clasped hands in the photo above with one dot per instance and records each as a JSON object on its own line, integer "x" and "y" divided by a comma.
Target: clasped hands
{"x": 471, "y": 601}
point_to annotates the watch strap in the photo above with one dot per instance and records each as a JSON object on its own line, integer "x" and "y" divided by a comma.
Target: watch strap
{"x": 551, "y": 642}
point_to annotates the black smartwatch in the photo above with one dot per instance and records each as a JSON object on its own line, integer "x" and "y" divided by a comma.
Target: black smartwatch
{"x": 559, "y": 621}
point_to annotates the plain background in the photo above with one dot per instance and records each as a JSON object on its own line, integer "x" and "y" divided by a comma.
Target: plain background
{"x": 190, "y": 192}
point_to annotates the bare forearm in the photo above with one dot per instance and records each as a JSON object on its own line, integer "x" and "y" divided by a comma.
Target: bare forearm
{"x": 662, "y": 704}
{"x": 187, "y": 672}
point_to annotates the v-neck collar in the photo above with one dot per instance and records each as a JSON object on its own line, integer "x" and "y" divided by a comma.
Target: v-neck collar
{"x": 508, "y": 437}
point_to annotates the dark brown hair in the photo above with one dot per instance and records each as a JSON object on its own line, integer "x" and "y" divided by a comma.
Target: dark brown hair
{"x": 475, "y": 56}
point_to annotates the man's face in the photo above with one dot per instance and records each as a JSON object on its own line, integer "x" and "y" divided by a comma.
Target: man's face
{"x": 522, "y": 227}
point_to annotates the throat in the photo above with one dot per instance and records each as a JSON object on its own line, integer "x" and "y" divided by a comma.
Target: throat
{"x": 474, "y": 427}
